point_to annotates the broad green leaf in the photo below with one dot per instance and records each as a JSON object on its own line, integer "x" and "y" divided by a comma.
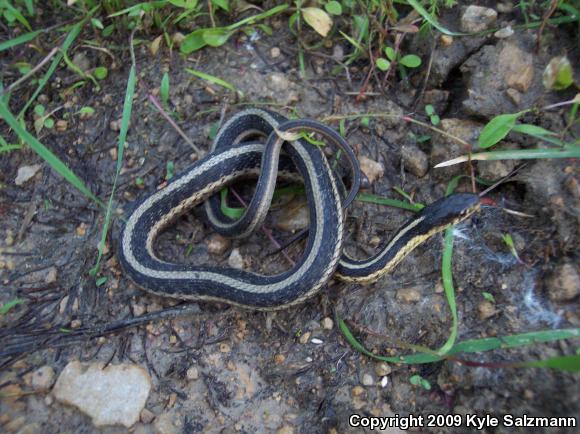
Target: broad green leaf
{"x": 333, "y": 7}
{"x": 39, "y": 110}
{"x": 97, "y": 23}
{"x": 497, "y": 129}
{"x": 101, "y": 72}
{"x": 383, "y": 64}
{"x": 390, "y": 53}
{"x": 16, "y": 13}
{"x": 216, "y": 37}
{"x": 87, "y": 111}
{"x": 410, "y": 61}
{"x": 193, "y": 42}
{"x": 319, "y": 20}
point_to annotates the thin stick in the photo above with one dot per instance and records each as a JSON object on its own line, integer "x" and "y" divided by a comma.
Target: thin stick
{"x": 31, "y": 72}
{"x": 159, "y": 107}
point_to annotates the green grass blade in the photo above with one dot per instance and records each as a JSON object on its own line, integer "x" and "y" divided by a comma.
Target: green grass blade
{"x": 469, "y": 346}
{"x": 127, "y": 108}
{"x": 371, "y": 198}
{"x": 431, "y": 19}
{"x": 562, "y": 363}
{"x": 19, "y": 40}
{"x": 517, "y": 154}
{"x": 447, "y": 276}
{"x": 9, "y": 305}
{"x": 211, "y": 79}
{"x": 231, "y": 212}
{"x": 46, "y": 154}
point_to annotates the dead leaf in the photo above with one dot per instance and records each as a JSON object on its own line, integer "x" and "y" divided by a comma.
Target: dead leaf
{"x": 154, "y": 46}
{"x": 318, "y": 20}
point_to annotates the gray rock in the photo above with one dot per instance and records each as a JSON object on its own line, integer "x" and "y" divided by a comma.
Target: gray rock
{"x": 114, "y": 395}
{"x": 43, "y": 378}
{"x": 477, "y": 19}
{"x": 409, "y": 295}
{"x": 373, "y": 170}
{"x": 450, "y": 55}
{"x": 415, "y": 160}
{"x": 81, "y": 60}
{"x": 218, "y": 244}
{"x": 502, "y": 79}
{"x": 293, "y": 217}
{"x": 25, "y": 173}
{"x": 236, "y": 260}
{"x": 564, "y": 284}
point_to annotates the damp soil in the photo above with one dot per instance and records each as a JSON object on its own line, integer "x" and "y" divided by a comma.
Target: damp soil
{"x": 259, "y": 371}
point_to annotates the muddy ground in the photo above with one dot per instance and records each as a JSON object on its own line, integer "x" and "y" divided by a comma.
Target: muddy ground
{"x": 220, "y": 369}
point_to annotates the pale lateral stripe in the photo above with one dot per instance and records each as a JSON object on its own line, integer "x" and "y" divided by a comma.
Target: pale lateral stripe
{"x": 384, "y": 252}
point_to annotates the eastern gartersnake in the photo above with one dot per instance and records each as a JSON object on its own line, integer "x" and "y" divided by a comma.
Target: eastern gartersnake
{"x": 232, "y": 158}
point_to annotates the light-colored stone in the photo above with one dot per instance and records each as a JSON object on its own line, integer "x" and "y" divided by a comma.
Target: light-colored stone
{"x": 286, "y": 429}
{"x": 51, "y": 275}
{"x": 357, "y": 391}
{"x": 192, "y": 373}
{"x": 43, "y": 378}
{"x": 372, "y": 169}
{"x": 168, "y": 423}
{"x": 486, "y": 310}
{"x": 25, "y": 173}
{"x": 236, "y": 260}
{"x": 274, "y": 52}
{"x": 304, "y": 337}
{"x": 114, "y": 395}
{"x": 564, "y": 284}
{"x": 367, "y": 380}
{"x": 382, "y": 369}
{"x": 504, "y": 33}
{"x": 294, "y": 217}
{"x": 477, "y": 19}
{"x": 516, "y": 66}
{"x": 415, "y": 160}
{"x": 409, "y": 295}
{"x": 217, "y": 244}
{"x": 327, "y": 323}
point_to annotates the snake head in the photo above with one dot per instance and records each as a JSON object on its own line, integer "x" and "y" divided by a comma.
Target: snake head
{"x": 451, "y": 209}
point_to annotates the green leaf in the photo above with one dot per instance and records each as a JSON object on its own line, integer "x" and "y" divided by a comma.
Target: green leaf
{"x": 489, "y": 297}
{"x": 87, "y": 111}
{"x": 517, "y": 154}
{"x": 497, "y": 129}
{"x": 39, "y": 109}
{"x": 101, "y": 281}
{"x": 390, "y": 53}
{"x": 9, "y": 305}
{"x": 435, "y": 119}
{"x": 97, "y": 23}
{"x": 365, "y": 121}
{"x": 333, "y": 8}
{"x": 169, "y": 170}
{"x": 430, "y": 110}
{"x": 49, "y": 123}
{"x": 233, "y": 213}
{"x": 101, "y": 73}
{"x": 383, "y": 64}
{"x": 164, "y": 89}
{"x": 193, "y": 42}
{"x": 16, "y": 13}
{"x": 410, "y": 61}
{"x": 216, "y": 37}
{"x": 223, "y": 4}
{"x": 185, "y": 4}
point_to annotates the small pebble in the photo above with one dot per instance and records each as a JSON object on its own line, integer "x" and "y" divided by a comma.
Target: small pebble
{"x": 564, "y": 284}
{"x": 506, "y": 32}
{"x": 486, "y": 310}
{"x": 224, "y": 348}
{"x": 367, "y": 380}
{"x": 372, "y": 169}
{"x": 286, "y": 429}
{"x": 235, "y": 260}
{"x": 327, "y": 323}
{"x": 218, "y": 244}
{"x": 409, "y": 295}
{"x": 357, "y": 391}
{"x": 317, "y": 341}
{"x": 51, "y": 275}
{"x": 26, "y": 173}
{"x": 382, "y": 369}
{"x": 275, "y": 52}
{"x": 43, "y": 379}
{"x": 192, "y": 373}
{"x": 304, "y": 338}
{"x": 61, "y": 125}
